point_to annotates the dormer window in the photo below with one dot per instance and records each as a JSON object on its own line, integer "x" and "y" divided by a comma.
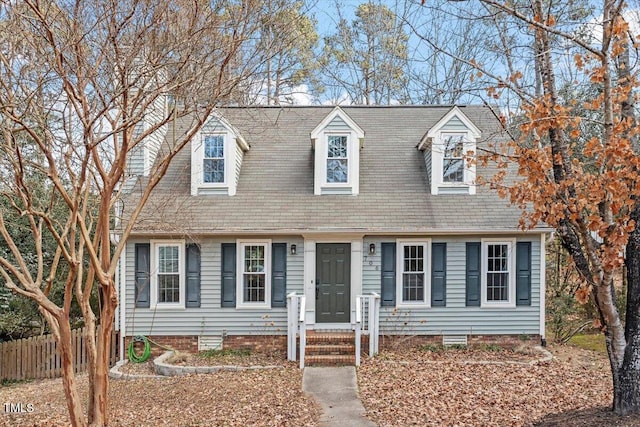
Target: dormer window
{"x": 337, "y": 141}
{"x": 216, "y": 158}
{"x": 449, "y": 151}
{"x": 337, "y": 159}
{"x": 213, "y": 166}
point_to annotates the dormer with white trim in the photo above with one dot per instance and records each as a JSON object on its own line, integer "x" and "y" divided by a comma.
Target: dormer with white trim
{"x": 216, "y": 158}
{"x": 337, "y": 141}
{"x": 449, "y": 151}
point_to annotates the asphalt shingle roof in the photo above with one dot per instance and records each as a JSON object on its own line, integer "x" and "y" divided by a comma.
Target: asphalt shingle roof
{"x": 275, "y": 188}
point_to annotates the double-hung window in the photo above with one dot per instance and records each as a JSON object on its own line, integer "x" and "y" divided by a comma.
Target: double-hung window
{"x": 167, "y": 277}
{"x": 413, "y": 285}
{"x": 453, "y": 159}
{"x": 498, "y": 276}
{"x": 337, "y": 141}
{"x": 254, "y": 278}
{"x": 213, "y": 159}
{"x": 337, "y": 159}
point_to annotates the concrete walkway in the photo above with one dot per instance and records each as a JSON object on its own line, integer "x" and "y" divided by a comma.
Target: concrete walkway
{"x": 336, "y": 389}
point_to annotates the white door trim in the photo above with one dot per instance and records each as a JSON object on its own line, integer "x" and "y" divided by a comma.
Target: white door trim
{"x": 356, "y": 241}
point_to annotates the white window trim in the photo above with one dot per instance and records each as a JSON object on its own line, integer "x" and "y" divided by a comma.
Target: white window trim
{"x": 461, "y": 157}
{"x": 400, "y": 243}
{"x": 511, "y": 248}
{"x": 437, "y": 159}
{"x": 153, "y": 279}
{"x": 349, "y": 159}
{"x": 227, "y": 162}
{"x": 352, "y": 160}
{"x": 240, "y": 245}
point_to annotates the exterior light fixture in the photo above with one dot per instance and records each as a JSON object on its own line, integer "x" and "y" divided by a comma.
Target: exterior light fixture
{"x": 293, "y": 249}
{"x": 372, "y": 249}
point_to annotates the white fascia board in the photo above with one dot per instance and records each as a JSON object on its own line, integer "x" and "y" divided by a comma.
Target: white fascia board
{"x": 337, "y": 111}
{"x": 342, "y": 232}
{"x": 455, "y": 111}
{"x": 229, "y": 128}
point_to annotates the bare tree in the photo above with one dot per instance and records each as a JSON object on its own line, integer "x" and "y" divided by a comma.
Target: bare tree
{"x": 443, "y": 42}
{"x": 83, "y": 85}
{"x": 367, "y": 58}
{"x": 288, "y": 38}
{"x": 575, "y": 146}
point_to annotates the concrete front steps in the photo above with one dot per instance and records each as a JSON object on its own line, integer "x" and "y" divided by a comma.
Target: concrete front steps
{"x": 330, "y": 349}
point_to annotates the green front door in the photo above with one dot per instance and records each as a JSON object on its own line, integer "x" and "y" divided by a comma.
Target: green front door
{"x": 333, "y": 288}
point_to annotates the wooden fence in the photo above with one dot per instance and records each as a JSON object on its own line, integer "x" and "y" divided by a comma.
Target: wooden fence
{"x": 38, "y": 357}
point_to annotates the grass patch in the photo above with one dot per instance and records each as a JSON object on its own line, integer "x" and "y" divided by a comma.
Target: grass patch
{"x": 491, "y": 347}
{"x": 456, "y": 347}
{"x": 431, "y": 348}
{"x": 593, "y": 342}
{"x": 6, "y": 383}
{"x": 225, "y": 352}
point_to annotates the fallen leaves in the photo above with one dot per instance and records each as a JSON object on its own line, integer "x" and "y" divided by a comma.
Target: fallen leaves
{"x": 409, "y": 387}
{"x": 443, "y": 389}
{"x": 239, "y": 398}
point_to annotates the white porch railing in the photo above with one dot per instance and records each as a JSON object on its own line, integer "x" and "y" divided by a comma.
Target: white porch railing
{"x": 296, "y": 325}
{"x": 367, "y": 323}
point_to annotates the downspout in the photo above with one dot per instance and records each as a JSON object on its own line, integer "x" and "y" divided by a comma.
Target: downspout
{"x": 543, "y": 289}
{"x": 116, "y": 314}
{"x": 123, "y": 297}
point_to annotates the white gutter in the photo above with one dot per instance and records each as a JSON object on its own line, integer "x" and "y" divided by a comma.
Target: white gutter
{"x": 361, "y": 232}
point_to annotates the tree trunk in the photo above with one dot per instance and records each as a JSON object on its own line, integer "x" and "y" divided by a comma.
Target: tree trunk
{"x": 626, "y": 392}
{"x": 74, "y": 404}
{"x": 101, "y": 372}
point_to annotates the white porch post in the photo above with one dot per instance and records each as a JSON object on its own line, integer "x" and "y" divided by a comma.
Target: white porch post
{"x": 310, "y": 279}
{"x": 356, "y": 274}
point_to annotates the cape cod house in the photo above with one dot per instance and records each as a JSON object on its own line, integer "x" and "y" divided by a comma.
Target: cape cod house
{"x": 279, "y": 221}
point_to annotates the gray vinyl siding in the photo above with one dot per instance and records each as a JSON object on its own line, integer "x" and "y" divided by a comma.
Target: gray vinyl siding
{"x": 428, "y": 164}
{"x": 136, "y": 156}
{"x": 154, "y": 115}
{"x": 454, "y": 124}
{"x": 213, "y": 191}
{"x": 238, "y": 165}
{"x": 213, "y": 126}
{"x": 210, "y": 318}
{"x": 455, "y": 317}
{"x": 338, "y": 125}
{"x": 144, "y": 153}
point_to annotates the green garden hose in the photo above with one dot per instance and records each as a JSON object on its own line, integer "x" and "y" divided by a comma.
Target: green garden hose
{"x": 131, "y": 350}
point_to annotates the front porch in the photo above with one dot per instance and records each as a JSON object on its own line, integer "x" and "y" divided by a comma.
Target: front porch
{"x": 332, "y": 344}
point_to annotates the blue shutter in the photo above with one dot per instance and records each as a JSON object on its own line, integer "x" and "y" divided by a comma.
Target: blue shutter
{"x": 142, "y": 272}
{"x": 388, "y": 284}
{"x": 473, "y": 274}
{"x": 193, "y": 275}
{"x": 523, "y": 273}
{"x": 279, "y": 275}
{"x": 228, "y": 275}
{"x": 438, "y": 274}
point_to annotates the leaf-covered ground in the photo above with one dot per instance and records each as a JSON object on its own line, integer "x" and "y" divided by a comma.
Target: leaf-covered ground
{"x": 440, "y": 388}
{"x": 410, "y": 387}
{"x": 271, "y": 397}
